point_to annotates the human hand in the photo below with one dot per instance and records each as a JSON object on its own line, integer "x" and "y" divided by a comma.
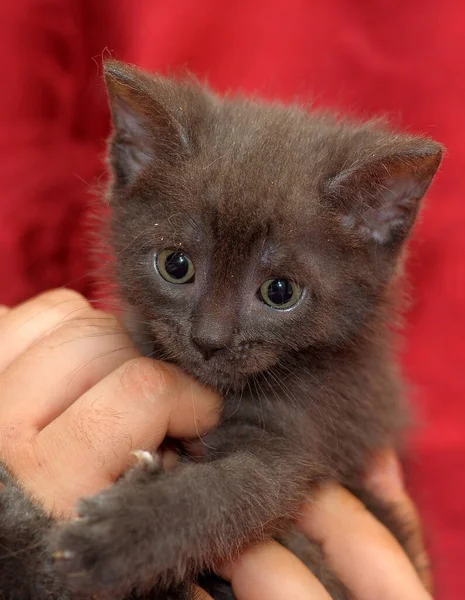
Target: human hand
{"x": 76, "y": 398}
{"x": 359, "y": 550}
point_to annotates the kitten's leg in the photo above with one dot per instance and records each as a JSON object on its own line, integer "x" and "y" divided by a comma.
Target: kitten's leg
{"x": 26, "y": 571}
{"x": 159, "y": 531}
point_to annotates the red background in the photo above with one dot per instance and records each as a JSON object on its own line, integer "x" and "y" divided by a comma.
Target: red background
{"x": 406, "y": 58}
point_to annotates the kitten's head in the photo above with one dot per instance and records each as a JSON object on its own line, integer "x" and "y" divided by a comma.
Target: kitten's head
{"x": 245, "y": 232}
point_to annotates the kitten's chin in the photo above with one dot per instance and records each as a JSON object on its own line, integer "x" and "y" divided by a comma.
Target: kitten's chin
{"x": 220, "y": 378}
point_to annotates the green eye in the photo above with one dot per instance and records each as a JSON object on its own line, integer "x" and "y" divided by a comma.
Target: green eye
{"x": 280, "y": 293}
{"x": 175, "y": 266}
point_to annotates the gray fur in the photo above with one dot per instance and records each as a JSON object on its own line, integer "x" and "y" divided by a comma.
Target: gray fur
{"x": 249, "y": 191}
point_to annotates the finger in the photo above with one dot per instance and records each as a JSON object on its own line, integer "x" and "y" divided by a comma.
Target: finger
{"x": 135, "y": 407}
{"x": 60, "y": 367}
{"x": 359, "y": 549}
{"x": 144, "y": 400}
{"x": 271, "y": 571}
{"x": 384, "y": 481}
{"x": 3, "y": 310}
{"x": 24, "y": 324}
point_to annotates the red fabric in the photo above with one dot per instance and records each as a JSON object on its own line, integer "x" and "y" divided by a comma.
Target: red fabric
{"x": 403, "y": 58}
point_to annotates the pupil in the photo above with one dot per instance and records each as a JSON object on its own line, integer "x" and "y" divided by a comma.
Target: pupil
{"x": 177, "y": 265}
{"x": 280, "y": 291}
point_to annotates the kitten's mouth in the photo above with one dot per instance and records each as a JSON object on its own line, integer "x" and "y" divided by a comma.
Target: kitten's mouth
{"x": 230, "y": 367}
{"x": 220, "y": 368}
{"x": 227, "y": 369}
{"x": 210, "y": 351}
{"x": 225, "y": 361}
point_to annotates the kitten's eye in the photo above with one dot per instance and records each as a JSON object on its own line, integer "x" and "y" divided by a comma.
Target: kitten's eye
{"x": 280, "y": 293}
{"x": 175, "y": 266}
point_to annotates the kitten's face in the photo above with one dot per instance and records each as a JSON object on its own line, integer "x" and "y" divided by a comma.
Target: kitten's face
{"x": 235, "y": 249}
{"x": 227, "y": 289}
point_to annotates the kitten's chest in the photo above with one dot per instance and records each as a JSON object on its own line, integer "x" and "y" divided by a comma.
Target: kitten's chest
{"x": 342, "y": 414}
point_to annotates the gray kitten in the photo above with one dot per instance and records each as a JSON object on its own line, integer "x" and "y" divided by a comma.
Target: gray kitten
{"x": 260, "y": 245}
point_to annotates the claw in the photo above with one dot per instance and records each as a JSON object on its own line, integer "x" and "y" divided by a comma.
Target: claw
{"x": 143, "y": 457}
{"x": 63, "y": 555}
{"x": 78, "y": 519}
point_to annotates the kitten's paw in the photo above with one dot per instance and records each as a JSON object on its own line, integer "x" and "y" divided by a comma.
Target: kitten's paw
{"x": 86, "y": 553}
{"x": 105, "y": 549}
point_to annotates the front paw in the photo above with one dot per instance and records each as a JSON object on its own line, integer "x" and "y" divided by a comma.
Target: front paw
{"x": 91, "y": 550}
{"x": 112, "y": 545}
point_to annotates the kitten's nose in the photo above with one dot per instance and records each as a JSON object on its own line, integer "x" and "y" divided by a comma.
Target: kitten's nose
{"x": 208, "y": 348}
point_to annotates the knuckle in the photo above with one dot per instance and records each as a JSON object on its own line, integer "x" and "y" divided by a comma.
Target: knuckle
{"x": 63, "y": 302}
{"x": 72, "y": 313}
{"x": 145, "y": 376}
{"x": 15, "y": 441}
{"x": 97, "y": 332}
{"x": 61, "y": 295}
{"x": 90, "y": 320}
{"x": 77, "y": 330}
{"x": 11, "y": 433}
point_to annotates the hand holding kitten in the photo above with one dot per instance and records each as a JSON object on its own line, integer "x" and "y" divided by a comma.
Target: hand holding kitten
{"x": 70, "y": 435}
{"x": 362, "y": 553}
{"x": 77, "y": 398}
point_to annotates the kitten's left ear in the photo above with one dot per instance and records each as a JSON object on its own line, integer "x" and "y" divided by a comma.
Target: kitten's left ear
{"x": 380, "y": 197}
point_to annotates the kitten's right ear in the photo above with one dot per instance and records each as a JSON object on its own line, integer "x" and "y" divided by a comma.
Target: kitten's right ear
{"x": 144, "y": 128}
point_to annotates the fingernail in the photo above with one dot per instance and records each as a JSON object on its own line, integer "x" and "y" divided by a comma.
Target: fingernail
{"x": 384, "y": 478}
{"x": 394, "y": 471}
{"x": 226, "y": 571}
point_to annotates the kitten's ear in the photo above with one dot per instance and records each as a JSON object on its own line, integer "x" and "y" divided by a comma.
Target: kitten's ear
{"x": 145, "y": 129}
{"x": 380, "y": 197}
